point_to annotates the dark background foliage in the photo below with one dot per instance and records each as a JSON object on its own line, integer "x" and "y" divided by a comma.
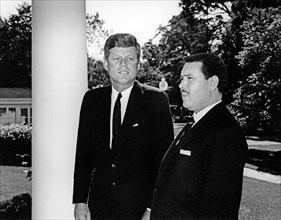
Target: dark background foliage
{"x": 15, "y": 47}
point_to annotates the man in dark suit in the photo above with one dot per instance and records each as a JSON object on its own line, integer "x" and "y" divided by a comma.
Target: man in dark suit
{"x": 124, "y": 131}
{"x": 200, "y": 176}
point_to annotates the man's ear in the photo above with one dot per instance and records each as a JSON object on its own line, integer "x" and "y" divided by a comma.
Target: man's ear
{"x": 105, "y": 64}
{"x": 213, "y": 83}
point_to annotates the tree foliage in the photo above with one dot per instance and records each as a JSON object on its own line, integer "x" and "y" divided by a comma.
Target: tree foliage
{"x": 15, "y": 47}
{"x": 258, "y": 98}
{"x": 246, "y": 34}
{"x": 149, "y": 75}
{"x": 97, "y": 75}
{"x": 96, "y": 35}
{"x": 198, "y": 28}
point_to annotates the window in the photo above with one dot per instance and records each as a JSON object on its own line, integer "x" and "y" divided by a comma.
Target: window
{"x": 11, "y": 115}
{"x": 15, "y": 114}
{"x": 24, "y": 115}
{"x": 3, "y": 115}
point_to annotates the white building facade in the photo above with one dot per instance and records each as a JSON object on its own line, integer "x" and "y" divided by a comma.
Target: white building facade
{"x": 15, "y": 106}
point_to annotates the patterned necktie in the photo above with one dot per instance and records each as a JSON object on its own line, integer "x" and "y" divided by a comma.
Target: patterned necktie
{"x": 116, "y": 120}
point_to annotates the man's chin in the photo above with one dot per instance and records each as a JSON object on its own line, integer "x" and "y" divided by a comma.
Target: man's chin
{"x": 124, "y": 82}
{"x": 186, "y": 105}
{"x": 123, "y": 79}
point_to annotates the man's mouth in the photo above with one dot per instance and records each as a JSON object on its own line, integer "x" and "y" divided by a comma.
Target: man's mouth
{"x": 184, "y": 93}
{"x": 123, "y": 72}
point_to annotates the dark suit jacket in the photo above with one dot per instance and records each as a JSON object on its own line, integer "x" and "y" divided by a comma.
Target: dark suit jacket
{"x": 201, "y": 177}
{"x": 119, "y": 183}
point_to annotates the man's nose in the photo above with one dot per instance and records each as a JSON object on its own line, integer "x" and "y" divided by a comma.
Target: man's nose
{"x": 181, "y": 84}
{"x": 123, "y": 62}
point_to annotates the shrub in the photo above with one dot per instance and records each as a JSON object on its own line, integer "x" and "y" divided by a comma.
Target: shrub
{"x": 16, "y": 131}
{"x": 15, "y": 142}
{"x": 19, "y": 207}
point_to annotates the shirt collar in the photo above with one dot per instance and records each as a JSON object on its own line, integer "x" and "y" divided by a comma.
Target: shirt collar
{"x": 197, "y": 116}
{"x": 125, "y": 94}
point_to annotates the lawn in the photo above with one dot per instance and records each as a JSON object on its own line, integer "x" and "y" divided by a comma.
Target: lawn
{"x": 13, "y": 182}
{"x": 260, "y": 200}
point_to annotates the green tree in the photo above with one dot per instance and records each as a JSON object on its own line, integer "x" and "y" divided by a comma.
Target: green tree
{"x": 15, "y": 47}
{"x": 258, "y": 99}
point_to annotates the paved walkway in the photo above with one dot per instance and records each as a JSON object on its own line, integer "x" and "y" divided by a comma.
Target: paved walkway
{"x": 252, "y": 173}
{"x": 264, "y": 145}
{"x": 251, "y": 170}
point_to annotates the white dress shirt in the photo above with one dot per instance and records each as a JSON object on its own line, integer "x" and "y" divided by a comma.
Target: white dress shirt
{"x": 124, "y": 102}
{"x": 197, "y": 116}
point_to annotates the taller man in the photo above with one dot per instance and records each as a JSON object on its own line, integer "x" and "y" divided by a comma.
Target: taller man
{"x": 124, "y": 131}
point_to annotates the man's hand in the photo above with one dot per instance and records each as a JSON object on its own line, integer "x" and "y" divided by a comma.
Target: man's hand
{"x": 81, "y": 212}
{"x": 146, "y": 215}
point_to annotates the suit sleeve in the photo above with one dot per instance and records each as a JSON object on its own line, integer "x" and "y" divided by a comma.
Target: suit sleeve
{"x": 222, "y": 195}
{"x": 83, "y": 164}
{"x": 163, "y": 132}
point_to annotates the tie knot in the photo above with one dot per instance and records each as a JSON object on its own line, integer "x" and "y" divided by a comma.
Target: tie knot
{"x": 119, "y": 95}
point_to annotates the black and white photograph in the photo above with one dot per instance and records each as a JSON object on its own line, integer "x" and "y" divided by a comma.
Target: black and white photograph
{"x": 151, "y": 110}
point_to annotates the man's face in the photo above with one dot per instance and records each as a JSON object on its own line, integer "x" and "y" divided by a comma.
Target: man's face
{"x": 194, "y": 87}
{"x": 122, "y": 66}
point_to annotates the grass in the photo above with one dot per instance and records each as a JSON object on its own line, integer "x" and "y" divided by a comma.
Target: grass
{"x": 13, "y": 182}
{"x": 260, "y": 200}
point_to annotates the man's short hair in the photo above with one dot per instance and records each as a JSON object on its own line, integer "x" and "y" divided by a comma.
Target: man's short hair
{"x": 212, "y": 65}
{"x": 121, "y": 40}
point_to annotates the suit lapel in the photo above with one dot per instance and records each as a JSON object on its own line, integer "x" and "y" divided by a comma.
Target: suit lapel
{"x": 174, "y": 143}
{"x": 106, "y": 115}
{"x": 199, "y": 127}
{"x": 174, "y": 148}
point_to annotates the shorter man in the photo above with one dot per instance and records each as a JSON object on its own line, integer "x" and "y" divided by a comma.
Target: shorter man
{"x": 200, "y": 177}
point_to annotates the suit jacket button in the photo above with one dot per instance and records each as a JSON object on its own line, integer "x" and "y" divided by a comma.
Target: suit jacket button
{"x": 113, "y": 165}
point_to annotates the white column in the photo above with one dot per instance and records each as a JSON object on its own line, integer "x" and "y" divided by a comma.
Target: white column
{"x": 59, "y": 80}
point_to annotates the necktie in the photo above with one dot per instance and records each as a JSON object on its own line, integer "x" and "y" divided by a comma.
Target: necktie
{"x": 188, "y": 126}
{"x": 116, "y": 122}
{"x": 190, "y": 122}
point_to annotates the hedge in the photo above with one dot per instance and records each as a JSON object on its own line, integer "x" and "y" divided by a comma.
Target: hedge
{"x": 15, "y": 144}
{"x": 19, "y": 207}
